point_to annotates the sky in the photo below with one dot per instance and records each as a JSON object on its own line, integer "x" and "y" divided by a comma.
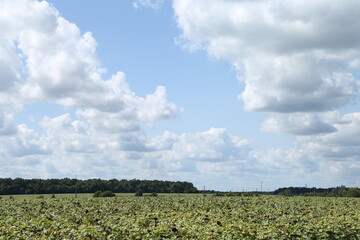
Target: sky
{"x": 229, "y": 95}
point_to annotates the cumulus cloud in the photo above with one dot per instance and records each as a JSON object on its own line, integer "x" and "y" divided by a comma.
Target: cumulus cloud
{"x": 329, "y": 158}
{"x": 214, "y": 145}
{"x": 299, "y": 124}
{"x": 297, "y": 61}
{"x": 7, "y": 126}
{"x": 25, "y": 143}
{"x": 339, "y": 145}
{"x": 292, "y": 56}
{"x": 102, "y": 135}
{"x": 285, "y": 67}
{"x": 214, "y": 151}
{"x": 44, "y": 57}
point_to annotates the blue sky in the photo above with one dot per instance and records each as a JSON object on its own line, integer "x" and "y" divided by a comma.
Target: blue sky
{"x": 224, "y": 94}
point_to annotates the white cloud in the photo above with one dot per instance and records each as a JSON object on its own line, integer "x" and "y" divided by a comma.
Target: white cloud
{"x": 154, "y": 4}
{"x": 55, "y": 62}
{"x": 296, "y": 59}
{"x": 296, "y": 83}
{"x": 293, "y": 56}
{"x": 213, "y": 145}
{"x": 299, "y": 124}
{"x": 340, "y": 145}
{"x": 44, "y": 57}
{"x": 25, "y": 143}
{"x": 7, "y": 126}
{"x": 332, "y": 158}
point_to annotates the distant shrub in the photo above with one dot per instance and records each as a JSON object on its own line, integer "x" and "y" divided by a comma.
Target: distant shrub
{"x": 40, "y": 196}
{"x": 139, "y": 193}
{"x": 107, "y": 194}
{"x": 97, "y": 194}
{"x": 247, "y": 194}
{"x": 103, "y": 194}
{"x": 219, "y": 194}
{"x": 11, "y": 198}
{"x": 154, "y": 194}
{"x": 52, "y": 196}
{"x": 230, "y": 194}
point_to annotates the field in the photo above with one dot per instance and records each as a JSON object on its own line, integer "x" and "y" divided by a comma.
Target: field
{"x": 178, "y": 217}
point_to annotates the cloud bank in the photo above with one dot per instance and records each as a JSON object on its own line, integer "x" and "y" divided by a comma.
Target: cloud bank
{"x": 46, "y": 59}
{"x": 296, "y": 60}
{"x": 293, "y": 56}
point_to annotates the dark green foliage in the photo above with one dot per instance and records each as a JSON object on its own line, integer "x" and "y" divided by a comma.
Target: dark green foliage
{"x": 97, "y": 194}
{"x": 287, "y": 192}
{"x": 107, "y": 194}
{"x": 219, "y": 194}
{"x": 104, "y": 194}
{"x": 230, "y": 194}
{"x": 10, "y": 186}
{"x": 353, "y": 192}
{"x": 340, "y": 191}
{"x": 139, "y": 193}
{"x": 154, "y": 194}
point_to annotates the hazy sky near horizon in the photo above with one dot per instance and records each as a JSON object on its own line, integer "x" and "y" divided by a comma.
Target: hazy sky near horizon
{"x": 222, "y": 93}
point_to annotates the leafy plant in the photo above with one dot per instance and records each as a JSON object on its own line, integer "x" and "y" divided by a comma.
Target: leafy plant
{"x": 181, "y": 217}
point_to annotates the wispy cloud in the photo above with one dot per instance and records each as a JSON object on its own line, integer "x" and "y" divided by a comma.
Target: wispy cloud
{"x": 154, "y": 4}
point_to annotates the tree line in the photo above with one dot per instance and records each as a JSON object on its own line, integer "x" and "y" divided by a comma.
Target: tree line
{"x": 340, "y": 191}
{"x": 9, "y": 186}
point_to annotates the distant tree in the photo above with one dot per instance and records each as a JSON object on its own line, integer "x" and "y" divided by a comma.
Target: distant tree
{"x": 10, "y": 186}
{"x": 353, "y": 192}
{"x": 287, "y": 192}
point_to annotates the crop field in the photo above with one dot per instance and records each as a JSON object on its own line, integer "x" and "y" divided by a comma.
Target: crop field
{"x": 179, "y": 217}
